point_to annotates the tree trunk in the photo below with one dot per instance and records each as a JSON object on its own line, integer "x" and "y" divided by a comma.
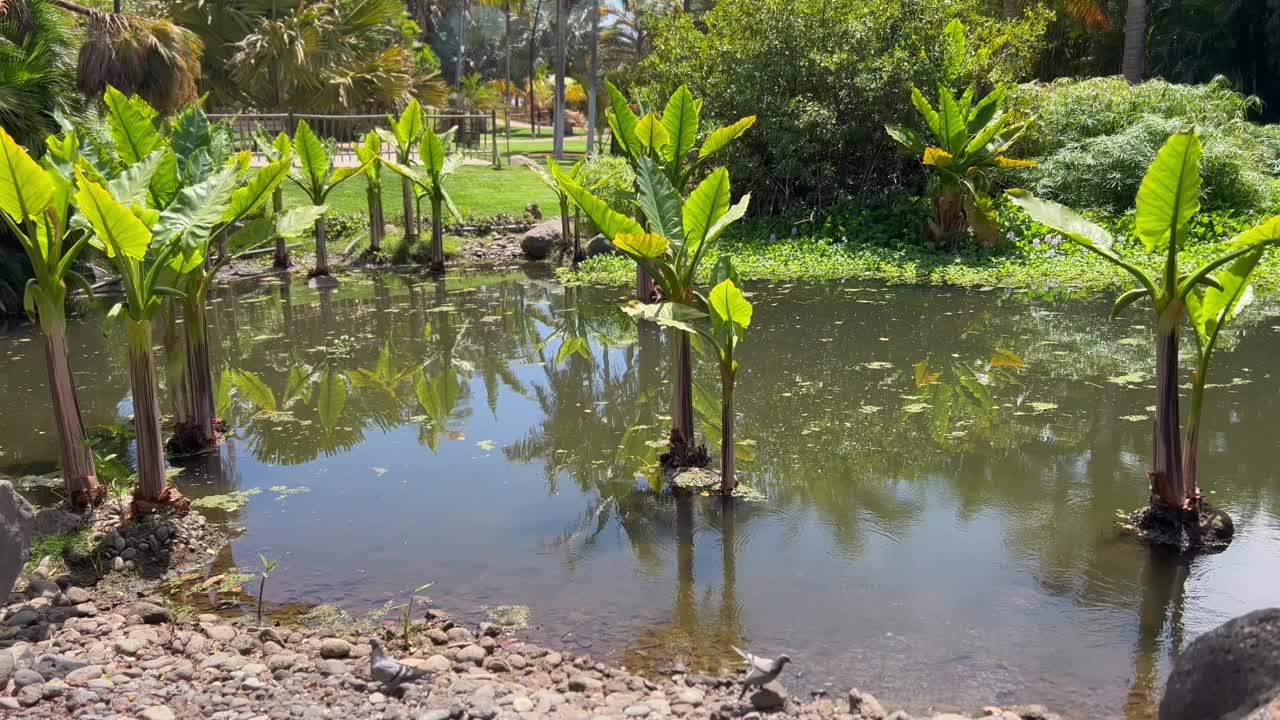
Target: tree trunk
{"x": 644, "y": 285}
{"x": 375, "y": 218}
{"x": 506, "y": 89}
{"x": 558, "y": 118}
{"x": 78, "y": 472}
{"x": 462, "y": 19}
{"x": 282, "y": 246}
{"x": 322, "y": 251}
{"x": 1011, "y": 8}
{"x": 682, "y": 400}
{"x": 1191, "y": 441}
{"x": 1135, "y": 40}
{"x": 728, "y": 467}
{"x": 410, "y": 218}
{"x": 437, "y": 236}
{"x": 533, "y": 59}
{"x": 202, "y": 433}
{"x": 175, "y": 358}
{"x": 146, "y": 412}
{"x": 592, "y": 77}
{"x": 1166, "y": 475}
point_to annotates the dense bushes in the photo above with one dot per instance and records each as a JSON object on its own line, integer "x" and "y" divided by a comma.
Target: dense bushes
{"x": 824, "y": 76}
{"x": 1095, "y": 138}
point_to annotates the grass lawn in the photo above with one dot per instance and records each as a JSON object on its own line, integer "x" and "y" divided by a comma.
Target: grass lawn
{"x": 477, "y": 191}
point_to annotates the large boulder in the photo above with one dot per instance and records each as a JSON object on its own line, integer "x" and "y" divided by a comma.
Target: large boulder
{"x": 17, "y": 529}
{"x": 1228, "y": 672}
{"x": 598, "y": 245}
{"x": 538, "y": 242}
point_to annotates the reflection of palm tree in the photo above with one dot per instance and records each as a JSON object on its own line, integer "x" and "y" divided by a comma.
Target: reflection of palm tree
{"x": 1163, "y": 583}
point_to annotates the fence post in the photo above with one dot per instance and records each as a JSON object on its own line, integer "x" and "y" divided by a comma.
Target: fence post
{"x": 293, "y": 124}
{"x": 493, "y": 133}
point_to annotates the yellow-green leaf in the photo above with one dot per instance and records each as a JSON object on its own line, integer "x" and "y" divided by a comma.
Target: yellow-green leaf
{"x": 680, "y": 120}
{"x": 25, "y": 189}
{"x": 651, "y": 134}
{"x": 1170, "y": 192}
{"x": 311, "y": 154}
{"x": 730, "y": 304}
{"x": 645, "y": 245}
{"x": 720, "y": 138}
{"x": 132, "y": 131}
{"x": 245, "y": 200}
{"x": 431, "y": 150}
{"x": 708, "y": 202}
{"x": 610, "y": 222}
{"x": 115, "y": 225}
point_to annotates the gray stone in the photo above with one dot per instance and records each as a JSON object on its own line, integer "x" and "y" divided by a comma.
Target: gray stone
{"x": 539, "y": 240}
{"x": 221, "y": 633}
{"x": 637, "y": 710}
{"x": 6, "y": 667}
{"x": 460, "y": 634}
{"x": 437, "y": 714}
{"x": 899, "y": 715}
{"x": 117, "y": 563}
{"x": 770, "y": 697}
{"x": 482, "y": 709}
{"x": 598, "y": 245}
{"x": 130, "y": 646}
{"x": 52, "y": 521}
{"x": 54, "y": 689}
{"x": 333, "y": 667}
{"x": 25, "y": 677}
{"x": 157, "y": 712}
{"x": 57, "y": 666}
{"x": 866, "y": 705}
{"x": 1227, "y": 672}
{"x": 30, "y": 695}
{"x": 150, "y": 613}
{"x": 17, "y": 530}
{"x": 471, "y": 654}
{"x": 584, "y": 683}
{"x": 280, "y": 661}
{"x": 522, "y": 704}
{"x": 334, "y": 648}
{"x": 77, "y": 595}
{"x": 437, "y": 664}
{"x": 83, "y": 675}
{"x": 23, "y": 618}
{"x": 690, "y": 696}
{"x": 520, "y": 160}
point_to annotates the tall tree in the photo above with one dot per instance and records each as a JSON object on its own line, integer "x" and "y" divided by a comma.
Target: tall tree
{"x": 593, "y": 78}
{"x": 1135, "y": 40}
{"x": 557, "y": 115}
{"x": 533, "y": 62}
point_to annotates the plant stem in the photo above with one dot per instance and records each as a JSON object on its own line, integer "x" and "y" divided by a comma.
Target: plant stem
{"x": 282, "y": 247}
{"x": 1167, "y": 481}
{"x": 1191, "y": 442}
{"x": 77, "y": 459}
{"x": 682, "y": 401}
{"x": 262, "y": 583}
{"x": 146, "y": 411}
{"x": 728, "y": 466}
{"x": 410, "y": 217}
{"x": 201, "y": 433}
{"x": 176, "y": 370}
{"x": 322, "y": 251}
{"x": 437, "y": 235}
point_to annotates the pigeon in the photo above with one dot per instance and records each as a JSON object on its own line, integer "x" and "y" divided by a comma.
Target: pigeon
{"x": 763, "y": 670}
{"x": 390, "y": 672}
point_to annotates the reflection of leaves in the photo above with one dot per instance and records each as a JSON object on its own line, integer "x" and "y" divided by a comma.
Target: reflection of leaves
{"x": 331, "y": 398}
{"x": 1006, "y": 358}
{"x": 254, "y": 390}
{"x": 978, "y": 391}
{"x": 925, "y": 375}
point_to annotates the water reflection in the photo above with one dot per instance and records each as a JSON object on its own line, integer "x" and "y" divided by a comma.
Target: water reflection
{"x": 938, "y": 473}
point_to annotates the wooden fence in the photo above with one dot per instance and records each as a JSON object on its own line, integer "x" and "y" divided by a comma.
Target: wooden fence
{"x": 476, "y": 136}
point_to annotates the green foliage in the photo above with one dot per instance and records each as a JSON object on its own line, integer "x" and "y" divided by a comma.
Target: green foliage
{"x": 1095, "y": 137}
{"x": 611, "y": 179}
{"x": 831, "y": 74}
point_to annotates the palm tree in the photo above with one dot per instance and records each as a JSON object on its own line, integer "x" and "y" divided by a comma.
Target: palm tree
{"x": 593, "y": 77}
{"x": 533, "y": 57}
{"x": 557, "y": 115}
{"x": 1135, "y": 37}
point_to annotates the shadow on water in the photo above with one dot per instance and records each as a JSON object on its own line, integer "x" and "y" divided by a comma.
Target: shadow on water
{"x": 939, "y": 472}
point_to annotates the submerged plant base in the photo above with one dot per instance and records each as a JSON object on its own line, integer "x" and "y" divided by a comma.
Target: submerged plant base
{"x": 1205, "y": 529}
{"x": 683, "y": 455}
{"x": 188, "y": 441}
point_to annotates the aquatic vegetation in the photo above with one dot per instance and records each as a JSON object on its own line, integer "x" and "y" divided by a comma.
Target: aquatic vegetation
{"x": 369, "y": 153}
{"x": 317, "y": 177}
{"x": 428, "y": 181}
{"x": 1208, "y": 296}
{"x": 268, "y": 567}
{"x": 404, "y": 133}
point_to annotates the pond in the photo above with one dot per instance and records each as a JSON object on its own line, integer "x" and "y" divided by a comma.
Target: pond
{"x": 935, "y": 472}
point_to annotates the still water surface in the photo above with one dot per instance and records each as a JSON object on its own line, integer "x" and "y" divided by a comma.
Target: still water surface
{"x": 938, "y": 473}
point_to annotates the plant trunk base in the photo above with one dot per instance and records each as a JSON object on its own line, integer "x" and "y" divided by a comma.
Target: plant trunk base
{"x": 188, "y": 441}
{"x": 683, "y": 454}
{"x": 91, "y": 497}
{"x": 1204, "y": 528}
{"x": 170, "y": 500}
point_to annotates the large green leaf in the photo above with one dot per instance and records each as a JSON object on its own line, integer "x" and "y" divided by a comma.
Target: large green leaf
{"x": 119, "y": 230}
{"x": 930, "y": 116}
{"x": 659, "y": 200}
{"x": 245, "y": 200}
{"x": 1265, "y": 232}
{"x": 610, "y": 222}
{"x": 1170, "y": 192}
{"x": 165, "y": 183}
{"x": 676, "y": 315}
{"x": 197, "y": 209}
{"x": 642, "y": 245}
{"x": 622, "y": 120}
{"x": 728, "y": 302}
{"x": 708, "y": 202}
{"x": 25, "y": 189}
{"x": 951, "y": 121}
{"x": 719, "y": 139}
{"x": 409, "y": 125}
{"x": 1210, "y": 311}
{"x": 132, "y": 185}
{"x": 736, "y": 212}
{"x": 431, "y": 151}
{"x": 652, "y": 135}
{"x": 680, "y": 118}
{"x": 131, "y": 129}
{"x": 312, "y": 155}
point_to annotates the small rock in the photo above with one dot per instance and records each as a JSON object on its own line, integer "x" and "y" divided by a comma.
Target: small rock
{"x": 150, "y": 613}
{"x": 221, "y": 633}
{"x": 517, "y": 661}
{"x": 899, "y": 715}
{"x": 130, "y": 646}
{"x": 637, "y": 710}
{"x": 437, "y": 636}
{"x": 584, "y": 683}
{"x": 437, "y": 714}
{"x": 281, "y": 661}
{"x": 86, "y": 609}
{"x": 25, "y": 677}
{"x": 78, "y": 595}
{"x": 437, "y": 664}
{"x": 334, "y": 648}
{"x": 471, "y": 654}
{"x": 30, "y": 695}
{"x": 22, "y": 618}
{"x": 129, "y": 553}
{"x": 690, "y": 696}
{"x": 598, "y": 245}
{"x": 333, "y": 667}
{"x": 117, "y": 563}
{"x": 538, "y": 241}
{"x": 84, "y": 674}
{"x": 157, "y": 712}
{"x": 770, "y": 697}
{"x": 54, "y": 689}
{"x": 866, "y": 705}
{"x": 460, "y": 634}
{"x": 522, "y": 704}
{"x": 6, "y": 667}
{"x": 552, "y": 660}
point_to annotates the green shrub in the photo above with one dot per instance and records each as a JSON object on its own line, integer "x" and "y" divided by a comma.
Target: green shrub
{"x": 1095, "y": 138}
{"x": 610, "y": 178}
{"x": 824, "y": 77}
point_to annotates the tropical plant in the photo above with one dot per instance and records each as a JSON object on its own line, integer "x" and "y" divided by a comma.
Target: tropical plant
{"x": 429, "y": 180}
{"x": 317, "y": 177}
{"x": 268, "y": 567}
{"x": 34, "y": 205}
{"x": 369, "y": 153}
{"x": 37, "y": 70}
{"x": 679, "y": 235}
{"x": 551, "y": 178}
{"x": 970, "y": 137}
{"x": 275, "y": 150}
{"x": 1168, "y": 199}
{"x": 404, "y": 133}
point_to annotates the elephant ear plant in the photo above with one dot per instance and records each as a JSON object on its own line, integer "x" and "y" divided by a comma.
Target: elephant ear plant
{"x": 429, "y": 182}
{"x": 404, "y": 133}
{"x": 671, "y": 251}
{"x": 34, "y": 203}
{"x": 669, "y": 141}
{"x": 551, "y": 178}
{"x": 369, "y": 153}
{"x": 1209, "y": 295}
{"x": 275, "y": 150}
{"x": 317, "y": 177}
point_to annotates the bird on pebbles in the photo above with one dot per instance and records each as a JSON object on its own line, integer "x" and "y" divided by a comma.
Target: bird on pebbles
{"x": 389, "y": 672}
{"x": 763, "y": 670}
